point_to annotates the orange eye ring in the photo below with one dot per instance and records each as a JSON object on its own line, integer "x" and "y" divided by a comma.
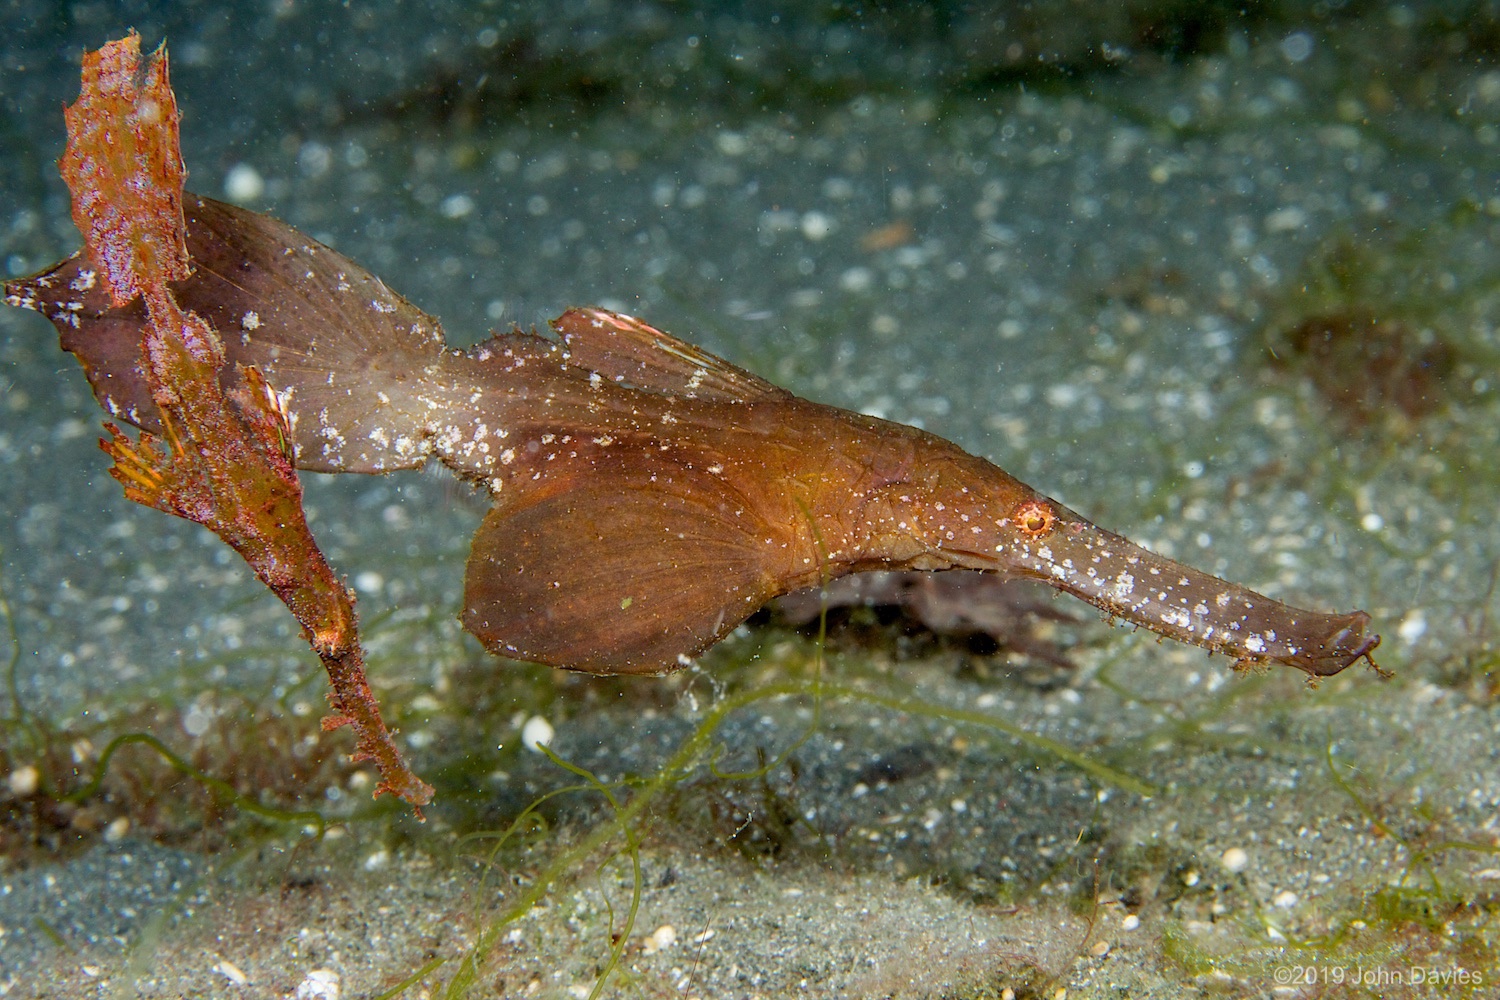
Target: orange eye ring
{"x": 1034, "y": 518}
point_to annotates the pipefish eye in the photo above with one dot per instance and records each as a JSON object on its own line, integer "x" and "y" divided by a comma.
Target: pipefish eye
{"x": 1034, "y": 518}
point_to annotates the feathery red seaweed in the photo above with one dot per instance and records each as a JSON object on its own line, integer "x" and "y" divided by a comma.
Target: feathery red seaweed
{"x": 224, "y": 458}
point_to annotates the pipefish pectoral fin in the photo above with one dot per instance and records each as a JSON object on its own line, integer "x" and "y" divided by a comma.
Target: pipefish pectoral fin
{"x": 617, "y": 564}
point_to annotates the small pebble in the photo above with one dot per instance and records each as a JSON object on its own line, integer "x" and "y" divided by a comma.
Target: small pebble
{"x": 660, "y": 939}
{"x": 243, "y": 183}
{"x": 1286, "y": 899}
{"x": 732, "y": 143}
{"x": 24, "y": 781}
{"x": 1413, "y": 626}
{"x": 319, "y": 984}
{"x": 231, "y": 972}
{"x": 537, "y": 732}
{"x": 456, "y": 206}
{"x": 1099, "y": 949}
{"x": 197, "y": 720}
{"x": 1235, "y": 859}
{"x": 117, "y": 829}
{"x": 816, "y": 226}
{"x": 857, "y": 279}
{"x": 1297, "y": 46}
{"x": 1130, "y": 923}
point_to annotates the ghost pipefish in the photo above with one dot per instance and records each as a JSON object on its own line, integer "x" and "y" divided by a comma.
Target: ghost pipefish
{"x": 648, "y": 496}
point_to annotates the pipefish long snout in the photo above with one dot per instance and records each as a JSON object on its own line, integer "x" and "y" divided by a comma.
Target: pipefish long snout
{"x": 648, "y": 496}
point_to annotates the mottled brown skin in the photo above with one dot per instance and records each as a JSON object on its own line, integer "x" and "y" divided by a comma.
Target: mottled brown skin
{"x": 648, "y": 496}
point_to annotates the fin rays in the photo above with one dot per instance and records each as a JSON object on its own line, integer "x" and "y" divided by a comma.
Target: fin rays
{"x": 623, "y": 349}
{"x": 615, "y": 572}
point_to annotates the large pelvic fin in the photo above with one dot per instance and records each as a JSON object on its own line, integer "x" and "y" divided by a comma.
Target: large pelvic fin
{"x": 620, "y": 562}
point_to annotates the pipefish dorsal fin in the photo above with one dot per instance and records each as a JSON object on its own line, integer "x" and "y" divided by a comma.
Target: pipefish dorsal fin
{"x": 622, "y": 349}
{"x": 617, "y": 561}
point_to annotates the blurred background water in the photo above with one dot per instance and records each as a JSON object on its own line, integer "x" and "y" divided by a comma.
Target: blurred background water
{"x": 1221, "y": 276}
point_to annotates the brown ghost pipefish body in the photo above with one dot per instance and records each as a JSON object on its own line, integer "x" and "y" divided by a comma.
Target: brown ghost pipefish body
{"x": 648, "y": 496}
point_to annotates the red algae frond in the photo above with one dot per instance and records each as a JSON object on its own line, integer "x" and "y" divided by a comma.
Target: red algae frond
{"x": 227, "y": 464}
{"x": 123, "y": 166}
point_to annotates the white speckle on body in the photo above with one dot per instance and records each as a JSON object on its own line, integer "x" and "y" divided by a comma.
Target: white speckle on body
{"x": 1176, "y": 618}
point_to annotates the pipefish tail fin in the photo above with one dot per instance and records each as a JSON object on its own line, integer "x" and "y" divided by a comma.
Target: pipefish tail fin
{"x": 350, "y": 354}
{"x": 621, "y": 562}
{"x": 624, "y": 350}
